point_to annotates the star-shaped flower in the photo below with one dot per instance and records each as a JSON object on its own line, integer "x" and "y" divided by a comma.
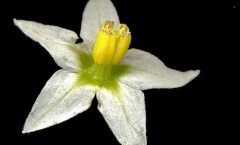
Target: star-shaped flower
{"x": 101, "y": 66}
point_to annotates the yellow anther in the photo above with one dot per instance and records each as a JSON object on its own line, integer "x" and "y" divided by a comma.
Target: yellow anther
{"x": 111, "y": 44}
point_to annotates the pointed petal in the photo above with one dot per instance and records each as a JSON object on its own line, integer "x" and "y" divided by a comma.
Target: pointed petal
{"x": 59, "y": 42}
{"x": 40, "y": 32}
{"x": 95, "y": 13}
{"x": 59, "y": 100}
{"x": 149, "y": 72}
{"x": 124, "y": 111}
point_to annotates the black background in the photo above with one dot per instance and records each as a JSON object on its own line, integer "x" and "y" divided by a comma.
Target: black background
{"x": 186, "y": 34}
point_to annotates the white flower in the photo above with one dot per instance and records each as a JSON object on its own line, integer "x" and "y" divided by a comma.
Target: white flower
{"x": 86, "y": 72}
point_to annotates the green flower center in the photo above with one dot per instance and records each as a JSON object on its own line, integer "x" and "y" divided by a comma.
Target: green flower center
{"x": 106, "y": 76}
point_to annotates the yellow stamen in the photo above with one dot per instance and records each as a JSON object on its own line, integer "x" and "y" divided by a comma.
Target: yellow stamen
{"x": 111, "y": 44}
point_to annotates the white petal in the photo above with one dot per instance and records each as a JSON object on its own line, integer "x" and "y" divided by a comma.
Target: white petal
{"x": 124, "y": 111}
{"x": 95, "y": 13}
{"x": 59, "y": 100}
{"x": 59, "y": 42}
{"x": 149, "y": 72}
{"x": 40, "y": 32}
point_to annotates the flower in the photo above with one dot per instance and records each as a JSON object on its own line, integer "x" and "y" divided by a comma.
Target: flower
{"x": 101, "y": 66}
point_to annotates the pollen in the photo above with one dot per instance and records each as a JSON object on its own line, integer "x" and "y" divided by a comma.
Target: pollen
{"x": 111, "y": 43}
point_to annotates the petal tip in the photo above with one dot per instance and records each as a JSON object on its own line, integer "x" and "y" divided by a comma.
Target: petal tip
{"x": 28, "y": 129}
{"x": 15, "y": 21}
{"x": 186, "y": 78}
{"x": 25, "y": 130}
{"x": 196, "y": 73}
{"x": 31, "y": 126}
{"x": 191, "y": 74}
